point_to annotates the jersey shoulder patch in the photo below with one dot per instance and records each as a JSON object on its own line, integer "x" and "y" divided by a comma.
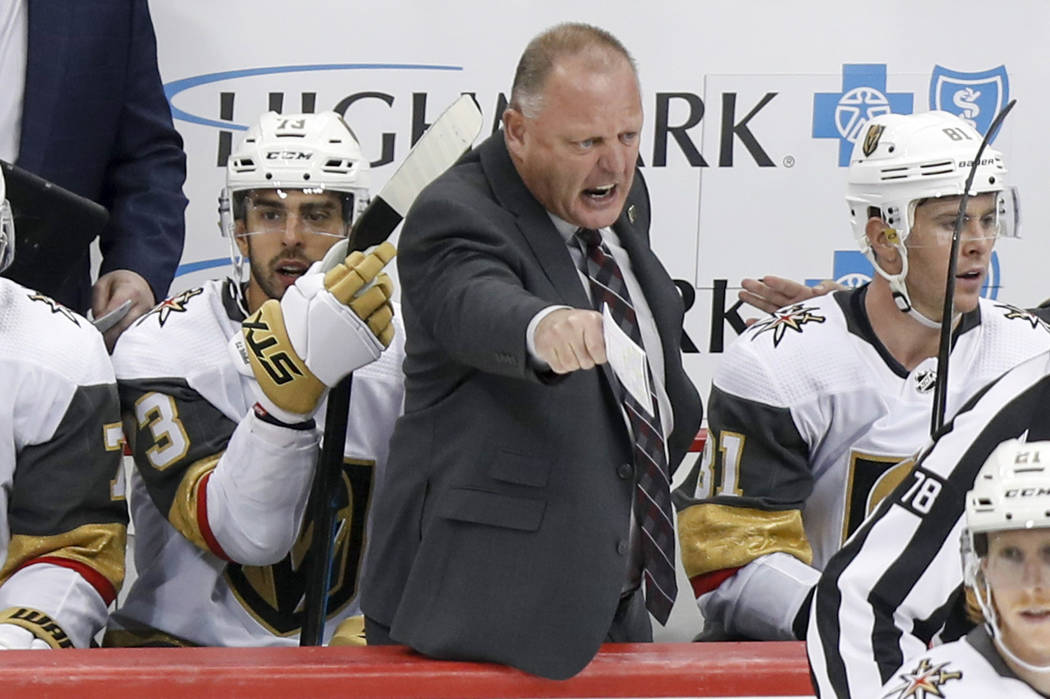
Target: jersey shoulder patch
{"x": 796, "y": 318}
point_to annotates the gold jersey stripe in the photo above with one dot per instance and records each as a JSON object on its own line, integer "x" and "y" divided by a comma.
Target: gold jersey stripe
{"x": 183, "y": 511}
{"x": 145, "y": 637}
{"x": 99, "y": 547}
{"x": 350, "y": 632}
{"x": 717, "y": 537}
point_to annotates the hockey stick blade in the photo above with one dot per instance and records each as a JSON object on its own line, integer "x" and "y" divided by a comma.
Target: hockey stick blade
{"x": 940, "y": 390}
{"x": 438, "y": 148}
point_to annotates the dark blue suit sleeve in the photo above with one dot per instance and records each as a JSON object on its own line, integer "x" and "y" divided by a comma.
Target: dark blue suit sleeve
{"x": 143, "y": 184}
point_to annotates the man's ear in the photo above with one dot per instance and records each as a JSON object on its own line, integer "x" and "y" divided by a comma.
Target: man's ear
{"x": 882, "y": 238}
{"x": 514, "y": 128}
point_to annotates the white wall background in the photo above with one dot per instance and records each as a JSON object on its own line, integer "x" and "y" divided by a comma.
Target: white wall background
{"x": 720, "y": 222}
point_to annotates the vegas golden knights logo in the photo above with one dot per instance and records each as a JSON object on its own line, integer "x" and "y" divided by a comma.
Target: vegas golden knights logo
{"x": 871, "y": 139}
{"x": 274, "y": 595}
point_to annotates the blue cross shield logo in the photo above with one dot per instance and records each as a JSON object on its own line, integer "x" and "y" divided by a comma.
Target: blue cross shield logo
{"x": 974, "y": 97}
{"x": 843, "y": 115}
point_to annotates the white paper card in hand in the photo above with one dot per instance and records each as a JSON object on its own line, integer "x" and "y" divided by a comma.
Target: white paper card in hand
{"x": 627, "y": 361}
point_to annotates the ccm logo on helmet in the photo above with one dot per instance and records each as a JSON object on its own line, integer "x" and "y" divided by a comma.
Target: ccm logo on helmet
{"x": 1027, "y": 492}
{"x": 288, "y": 155}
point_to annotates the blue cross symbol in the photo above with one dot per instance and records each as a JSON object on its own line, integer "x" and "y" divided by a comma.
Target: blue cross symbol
{"x": 842, "y": 115}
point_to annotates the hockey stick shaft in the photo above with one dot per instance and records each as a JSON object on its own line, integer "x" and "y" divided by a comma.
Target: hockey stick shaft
{"x": 438, "y": 148}
{"x": 940, "y": 393}
{"x": 320, "y": 512}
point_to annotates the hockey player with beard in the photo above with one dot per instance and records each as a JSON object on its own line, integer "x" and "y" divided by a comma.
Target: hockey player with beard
{"x": 1006, "y": 567}
{"x": 62, "y": 529}
{"x": 815, "y": 412}
{"x": 224, "y": 387}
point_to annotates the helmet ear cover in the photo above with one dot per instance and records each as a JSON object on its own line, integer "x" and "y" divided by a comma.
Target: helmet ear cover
{"x": 980, "y": 544}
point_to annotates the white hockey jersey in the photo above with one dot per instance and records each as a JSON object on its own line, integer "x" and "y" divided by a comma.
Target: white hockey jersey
{"x": 811, "y": 422}
{"x": 969, "y": 668}
{"x": 218, "y": 495}
{"x": 62, "y": 510}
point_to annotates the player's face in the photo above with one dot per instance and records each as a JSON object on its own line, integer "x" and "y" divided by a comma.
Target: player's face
{"x": 577, "y": 155}
{"x": 283, "y": 232}
{"x": 929, "y": 245}
{"x": 1018, "y": 570}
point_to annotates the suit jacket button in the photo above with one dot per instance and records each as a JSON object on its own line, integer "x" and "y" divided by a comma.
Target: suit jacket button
{"x": 624, "y": 471}
{"x": 621, "y": 547}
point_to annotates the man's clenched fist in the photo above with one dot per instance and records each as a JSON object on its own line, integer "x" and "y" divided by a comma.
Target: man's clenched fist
{"x": 569, "y": 339}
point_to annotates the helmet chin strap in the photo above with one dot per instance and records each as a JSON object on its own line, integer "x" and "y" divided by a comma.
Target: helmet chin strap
{"x": 899, "y": 288}
{"x": 238, "y": 262}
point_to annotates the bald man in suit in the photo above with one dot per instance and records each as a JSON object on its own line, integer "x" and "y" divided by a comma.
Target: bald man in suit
{"x": 507, "y": 527}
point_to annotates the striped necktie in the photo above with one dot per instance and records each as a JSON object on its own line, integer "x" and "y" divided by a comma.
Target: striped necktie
{"x": 652, "y": 485}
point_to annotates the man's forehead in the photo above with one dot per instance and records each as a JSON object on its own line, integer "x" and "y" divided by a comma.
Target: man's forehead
{"x": 295, "y": 197}
{"x": 952, "y": 202}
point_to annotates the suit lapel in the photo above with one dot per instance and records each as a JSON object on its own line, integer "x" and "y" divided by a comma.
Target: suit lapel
{"x": 536, "y": 226}
{"x": 45, "y": 73}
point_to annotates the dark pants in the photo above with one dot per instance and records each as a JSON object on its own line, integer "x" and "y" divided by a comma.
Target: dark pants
{"x": 630, "y": 624}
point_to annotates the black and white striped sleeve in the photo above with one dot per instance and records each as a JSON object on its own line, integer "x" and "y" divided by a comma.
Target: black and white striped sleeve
{"x": 895, "y": 587}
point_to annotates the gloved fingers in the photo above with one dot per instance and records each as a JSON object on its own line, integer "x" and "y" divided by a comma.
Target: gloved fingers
{"x": 384, "y": 282}
{"x": 385, "y": 251}
{"x": 353, "y": 259}
{"x": 361, "y": 271}
{"x": 381, "y": 324}
{"x": 374, "y": 262}
{"x": 341, "y": 272}
{"x": 365, "y": 303}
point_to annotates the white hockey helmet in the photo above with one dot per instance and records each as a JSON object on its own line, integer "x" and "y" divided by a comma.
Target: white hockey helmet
{"x": 315, "y": 152}
{"x": 7, "y": 228}
{"x": 906, "y": 158}
{"x": 1011, "y": 491}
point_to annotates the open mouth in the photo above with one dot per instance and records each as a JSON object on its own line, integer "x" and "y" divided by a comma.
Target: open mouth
{"x": 972, "y": 274}
{"x": 600, "y": 193}
{"x": 290, "y": 270}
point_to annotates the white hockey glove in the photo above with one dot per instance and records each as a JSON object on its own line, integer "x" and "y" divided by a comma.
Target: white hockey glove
{"x": 16, "y": 638}
{"x": 335, "y": 318}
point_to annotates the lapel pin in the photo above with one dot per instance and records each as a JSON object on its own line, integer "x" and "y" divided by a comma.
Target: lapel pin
{"x": 632, "y": 213}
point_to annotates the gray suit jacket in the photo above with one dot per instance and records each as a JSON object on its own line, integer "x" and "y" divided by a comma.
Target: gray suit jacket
{"x": 500, "y": 530}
